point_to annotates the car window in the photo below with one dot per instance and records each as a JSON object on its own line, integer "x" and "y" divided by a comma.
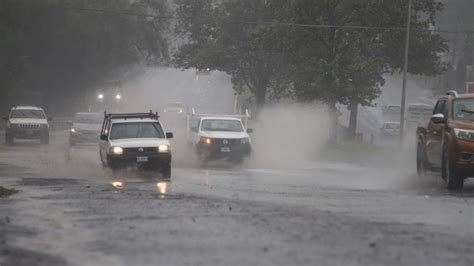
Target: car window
{"x": 463, "y": 109}
{"x": 136, "y": 130}
{"x": 221, "y": 125}
{"x": 439, "y": 109}
{"x": 38, "y": 114}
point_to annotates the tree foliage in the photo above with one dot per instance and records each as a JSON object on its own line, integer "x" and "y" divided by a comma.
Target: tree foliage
{"x": 332, "y": 50}
{"x": 56, "y": 49}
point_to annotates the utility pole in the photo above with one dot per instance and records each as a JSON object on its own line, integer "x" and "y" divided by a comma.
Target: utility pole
{"x": 405, "y": 70}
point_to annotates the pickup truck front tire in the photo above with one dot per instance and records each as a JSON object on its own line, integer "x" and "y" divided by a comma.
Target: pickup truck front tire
{"x": 44, "y": 139}
{"x": 9, "y": 139}
{"x": 166, "y": 170}
{"x": 452, "y": 178}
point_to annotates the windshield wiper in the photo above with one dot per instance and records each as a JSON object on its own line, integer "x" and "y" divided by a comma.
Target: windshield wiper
{"x": 467, "y": 111}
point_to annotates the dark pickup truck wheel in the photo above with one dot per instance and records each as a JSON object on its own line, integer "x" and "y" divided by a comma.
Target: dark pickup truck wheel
{"x": 451, "y": 177}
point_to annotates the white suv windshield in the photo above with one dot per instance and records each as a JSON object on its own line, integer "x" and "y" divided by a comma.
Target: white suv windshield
{"x": 221, "y": 125}
{"x": 136, "y": 130}
{"x": 38, "y": 114}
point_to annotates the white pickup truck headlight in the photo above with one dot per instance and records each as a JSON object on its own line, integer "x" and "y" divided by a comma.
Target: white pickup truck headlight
{"x": 117, "y": 150}
{"x": 164, "y": 148}
{"x": 464, "y": 134}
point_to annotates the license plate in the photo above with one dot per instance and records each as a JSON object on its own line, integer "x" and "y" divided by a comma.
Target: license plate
{"x": 225, "y": 149}
{"x": 142, "y": 159}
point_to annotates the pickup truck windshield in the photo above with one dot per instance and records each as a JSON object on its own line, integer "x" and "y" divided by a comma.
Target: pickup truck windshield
{"x": 221, "y": 125}
{"x": 37, "y": 114}
{"x": 463, "y": 109}
{"x": 136, "y": 130}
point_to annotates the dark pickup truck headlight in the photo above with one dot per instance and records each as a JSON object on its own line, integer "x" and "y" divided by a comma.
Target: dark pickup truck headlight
{"x": 464, "y": 134}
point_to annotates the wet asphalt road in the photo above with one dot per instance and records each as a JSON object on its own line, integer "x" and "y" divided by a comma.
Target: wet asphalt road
{"x": 70, "y": 211}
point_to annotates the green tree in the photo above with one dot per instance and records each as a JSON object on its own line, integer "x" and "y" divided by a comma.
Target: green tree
{"x": 277, "y": 46}
{"x": 231, "y": 36}
{"x": 344, "y": 62}
{"x": 55, "y": 49}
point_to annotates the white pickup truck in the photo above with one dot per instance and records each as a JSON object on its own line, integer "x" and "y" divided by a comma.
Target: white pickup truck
{"x": 215, "y": 137}
{"x": 135, "y": 139}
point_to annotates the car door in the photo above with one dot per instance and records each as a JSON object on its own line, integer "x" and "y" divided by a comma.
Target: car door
{"x": 104, "y": 145}
{"x": 194, "y": 130}
{"x": 434, "y": 135}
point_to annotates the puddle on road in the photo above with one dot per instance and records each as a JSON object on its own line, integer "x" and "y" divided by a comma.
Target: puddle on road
{"x": 161, "y": 186}
{"x": 37, "y": 181}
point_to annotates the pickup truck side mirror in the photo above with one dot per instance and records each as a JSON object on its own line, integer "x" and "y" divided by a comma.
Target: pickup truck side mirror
{"x": 249, "y": 130}
{"x": 5, "y": 118}
{"x": 169, "y": 135}
{"x": 50, "y": 118}
{"x": 438, "y": 119}
{"x": 103, "y": 137}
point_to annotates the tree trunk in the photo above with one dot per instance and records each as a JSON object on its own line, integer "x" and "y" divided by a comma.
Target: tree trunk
{"x": 334, "y": 115}
{"x": 260, "y": 97}
{"x": 354, "y": 108}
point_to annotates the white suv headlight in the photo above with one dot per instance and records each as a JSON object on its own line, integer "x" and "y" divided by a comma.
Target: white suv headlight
{"x": 164, "y": 148}
{"x": 464, "y": 134}
{"x": 245, "y": 140}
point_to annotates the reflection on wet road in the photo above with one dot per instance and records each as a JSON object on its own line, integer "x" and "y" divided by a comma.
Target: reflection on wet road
{"x": 228, "y": 215}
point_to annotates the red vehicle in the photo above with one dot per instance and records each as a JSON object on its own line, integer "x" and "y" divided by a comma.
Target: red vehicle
{"x": 446, "y": 144}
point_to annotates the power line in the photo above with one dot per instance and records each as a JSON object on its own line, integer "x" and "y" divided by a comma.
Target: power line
{"x": 275, "y": 23}
{"x": 103, "y": 11}
{"x": 360, "y": 27}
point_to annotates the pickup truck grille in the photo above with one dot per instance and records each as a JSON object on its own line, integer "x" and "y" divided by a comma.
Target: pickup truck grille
{"x": 140, "y": 150}
{"x": 227, "y": 142}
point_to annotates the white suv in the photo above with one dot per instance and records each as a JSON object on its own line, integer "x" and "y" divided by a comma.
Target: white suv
{"x": 135, "y": 139}
{"x": 27, "y": 122}
{"x": 220, "y": 137}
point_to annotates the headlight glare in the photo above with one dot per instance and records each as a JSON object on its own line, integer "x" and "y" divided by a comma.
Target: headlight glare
{"x": 163, "y": 148}
{"x": 464, "y": 134}
{"x": 73, "y": 130}
{"x": 207, "y": 141}
{"x": 117, "y": 150}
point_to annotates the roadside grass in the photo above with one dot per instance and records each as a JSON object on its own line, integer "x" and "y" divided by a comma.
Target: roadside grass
{"x": 5, "y": 192}
{"x": 354, "y": 152}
